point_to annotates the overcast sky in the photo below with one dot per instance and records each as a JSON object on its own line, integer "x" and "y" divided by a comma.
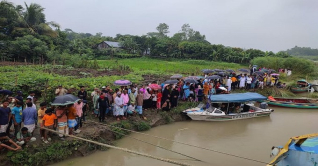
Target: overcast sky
{"x": 269, "y": 25}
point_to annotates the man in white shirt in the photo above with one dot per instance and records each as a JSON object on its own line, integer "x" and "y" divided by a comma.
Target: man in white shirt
{"x": 30, "y": 100}
{"x": 31, "y": 95}
{"x": 248, "y": 82}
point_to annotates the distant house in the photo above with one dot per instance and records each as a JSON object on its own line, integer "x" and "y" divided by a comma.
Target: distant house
{"x": 108, "y": 44}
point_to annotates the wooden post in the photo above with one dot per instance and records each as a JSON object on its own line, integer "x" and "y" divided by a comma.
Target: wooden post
{"x": 16, "y": 79}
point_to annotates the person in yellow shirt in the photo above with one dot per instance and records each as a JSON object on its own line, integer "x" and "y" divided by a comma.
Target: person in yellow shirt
{"x": 272, "y": 81}
{"x": 41, "y": 113}
{"x": 234, "y": 82}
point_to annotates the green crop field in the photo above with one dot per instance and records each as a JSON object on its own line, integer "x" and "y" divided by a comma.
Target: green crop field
{"x": 45, "y": 78}
{"x": 155, "y": 66}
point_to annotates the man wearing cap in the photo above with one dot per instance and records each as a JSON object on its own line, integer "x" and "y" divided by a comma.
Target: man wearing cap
{"x": 29, "y": 117}
{"x": 60, "y": 91}
{"x": 104, "y": 89}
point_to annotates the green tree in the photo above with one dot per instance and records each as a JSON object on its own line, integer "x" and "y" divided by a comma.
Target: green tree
{"x": 163, "y": 29}
{"x": 28, "y": 47}
{"x": 34, "y": 20}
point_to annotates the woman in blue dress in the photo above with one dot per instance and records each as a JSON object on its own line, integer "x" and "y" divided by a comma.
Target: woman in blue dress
{"x": 186, "y": 90}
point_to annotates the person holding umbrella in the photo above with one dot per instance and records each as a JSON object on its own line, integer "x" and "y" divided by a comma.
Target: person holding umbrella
{"x": 71, "y": 118}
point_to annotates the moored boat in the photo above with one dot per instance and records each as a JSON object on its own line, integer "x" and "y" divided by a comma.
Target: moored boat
{"x": 302, "y": 86}
{"x": 298, "y": 151}
{"x": 233, "y": 107}
{"x": 293, "y": 102}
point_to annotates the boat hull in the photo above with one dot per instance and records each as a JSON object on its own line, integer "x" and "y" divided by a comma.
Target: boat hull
{"x": 229, "y": 117}
{"x": 294, "y": 105}
{"x": 299, "y": 90}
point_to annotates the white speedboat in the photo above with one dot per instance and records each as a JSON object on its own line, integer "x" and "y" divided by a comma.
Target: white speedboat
{"x": 240, "y": 111}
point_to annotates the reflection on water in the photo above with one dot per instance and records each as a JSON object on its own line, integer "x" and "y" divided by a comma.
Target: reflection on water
{"x": 251, "y": 138}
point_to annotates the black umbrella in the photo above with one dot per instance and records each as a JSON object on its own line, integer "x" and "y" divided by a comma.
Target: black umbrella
{"x": 6, "y": 92}
{"x": 258, "y": 73}
{"x": 213, "y": 77}
{"x": 271, "y": 71}
{"x": 244, "y": 70}
{"x": 65, "y": 100}
{"x": 230, "y": 70}
{"x": 191, "y": 81}
{"x": 176, "y": 76}
{"x": 221, "y": 73}
{"x": 207, "y": 71}
{"x": 171, "y": 82}
{"x": 218, "y": 70}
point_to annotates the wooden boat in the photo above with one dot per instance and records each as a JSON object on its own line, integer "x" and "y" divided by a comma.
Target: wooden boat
{"x": 245, "y": 111}
{"x": 293, "y": 102}
{"x": 298, "y": 151}
{"x": 302, "y": 86}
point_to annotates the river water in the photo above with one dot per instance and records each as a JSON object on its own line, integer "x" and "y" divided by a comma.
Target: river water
{"x": 251, "y": 138}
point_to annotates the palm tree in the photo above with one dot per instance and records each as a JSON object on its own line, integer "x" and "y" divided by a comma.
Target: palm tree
{"x": 33, "y": 19}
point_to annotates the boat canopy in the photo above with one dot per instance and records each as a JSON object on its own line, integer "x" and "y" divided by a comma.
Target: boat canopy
{"x": 302, "y": 80}
{"x": 237, "y": 97}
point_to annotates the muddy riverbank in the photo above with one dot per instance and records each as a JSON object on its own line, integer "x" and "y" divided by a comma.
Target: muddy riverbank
{"x": 38, "y": 153}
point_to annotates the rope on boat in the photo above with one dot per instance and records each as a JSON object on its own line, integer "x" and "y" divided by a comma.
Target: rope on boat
{"x": 122, "y": 149}
{"x": 199, "y": 147}
{"x": 195, "y": 159}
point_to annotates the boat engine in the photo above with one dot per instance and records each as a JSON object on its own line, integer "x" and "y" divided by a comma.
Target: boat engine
{"x": 263, "y": 105}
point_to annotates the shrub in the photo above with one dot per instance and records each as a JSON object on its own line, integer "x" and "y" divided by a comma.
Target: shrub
{"x": 297, "y": 65}
{"x": 166, "y": 117}
{"x": 142, "y": 126}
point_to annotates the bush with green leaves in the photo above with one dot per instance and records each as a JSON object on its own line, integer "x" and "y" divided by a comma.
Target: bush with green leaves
{"x": 297, "y": 65}
{"x": 142, "y": 126}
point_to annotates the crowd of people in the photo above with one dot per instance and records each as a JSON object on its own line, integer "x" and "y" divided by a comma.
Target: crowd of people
{"x": 19, "y": 118}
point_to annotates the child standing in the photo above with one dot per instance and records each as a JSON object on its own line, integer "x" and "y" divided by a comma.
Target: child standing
{"x": 41, "y": 113}
{"x": 17, "y": 117}
{"x": 159, "y": 96}
{"x": 49, "y": 121}
{"x": 154, "y": 99}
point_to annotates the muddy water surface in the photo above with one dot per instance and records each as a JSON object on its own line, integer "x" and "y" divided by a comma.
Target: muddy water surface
{"x": 251, "y": 138}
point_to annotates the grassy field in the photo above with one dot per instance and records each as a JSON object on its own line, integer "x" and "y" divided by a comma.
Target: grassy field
{"x": 146, "y": 65}
{"x": 44, "y": 79}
